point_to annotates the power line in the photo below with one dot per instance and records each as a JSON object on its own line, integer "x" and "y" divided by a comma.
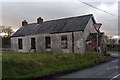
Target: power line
{"x": 99, "y": 9}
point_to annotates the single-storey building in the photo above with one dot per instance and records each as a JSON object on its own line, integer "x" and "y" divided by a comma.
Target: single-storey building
{"x": 65, "y": 35}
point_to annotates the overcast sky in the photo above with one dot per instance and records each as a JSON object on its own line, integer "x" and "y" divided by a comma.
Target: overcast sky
{"x": 13, "y": 13}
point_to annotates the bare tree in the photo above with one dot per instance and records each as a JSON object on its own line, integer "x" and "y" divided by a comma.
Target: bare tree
{"x": 119, "y": 41}
{"x": 7, "y": 30}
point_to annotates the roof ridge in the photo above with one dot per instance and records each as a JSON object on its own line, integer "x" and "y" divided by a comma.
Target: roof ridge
{"x": 69, "y": 17}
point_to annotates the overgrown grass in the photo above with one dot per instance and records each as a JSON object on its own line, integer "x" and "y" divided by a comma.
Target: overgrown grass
{"x": 25, "y": 65}
{"x": 117, "y": 49}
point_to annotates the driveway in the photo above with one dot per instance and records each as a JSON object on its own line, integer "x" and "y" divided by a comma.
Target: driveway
{"x": 106, "y": 70}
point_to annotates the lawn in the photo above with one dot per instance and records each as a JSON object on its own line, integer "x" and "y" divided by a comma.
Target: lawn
{"x": 34, "y": 65}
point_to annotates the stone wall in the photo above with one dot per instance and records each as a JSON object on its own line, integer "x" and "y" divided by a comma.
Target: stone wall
{"x": 55, "y": 43}
{"x": 89, "y": 29}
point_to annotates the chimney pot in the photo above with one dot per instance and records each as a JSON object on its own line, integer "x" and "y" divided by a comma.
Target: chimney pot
{"x": 24, "y": 23}
{"x": 39, "y": 20}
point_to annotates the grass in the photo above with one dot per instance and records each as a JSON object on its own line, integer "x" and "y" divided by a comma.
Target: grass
{"x": 117, "y": 49}
{"x": 25, "y": 65}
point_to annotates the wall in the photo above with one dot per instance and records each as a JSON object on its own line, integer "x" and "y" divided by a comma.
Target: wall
{"x": 79, "y": 42}
{"x": 89, "y": 29}
{"x": 26, "y": 43}
{"x": 80, "y": 37}
{"x": 14, "y": 46}
{"x": 55, "y": 43}
{"x": 40, "y": 40}
{"x": 40, "y": 43}
{"x": 103, "y": 44}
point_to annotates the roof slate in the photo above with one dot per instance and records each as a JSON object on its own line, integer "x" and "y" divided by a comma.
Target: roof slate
{"x": 71, "y": 24}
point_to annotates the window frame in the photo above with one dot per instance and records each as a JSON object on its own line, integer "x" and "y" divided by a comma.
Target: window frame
{"x": 64, "y": 42}
{"x": 33, "y": 43}
{"x": 47, "y": 42}
{"x": 20, "y": 43}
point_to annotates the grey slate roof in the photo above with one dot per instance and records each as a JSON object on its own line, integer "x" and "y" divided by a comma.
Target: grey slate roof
{"x": 71, "y": 24}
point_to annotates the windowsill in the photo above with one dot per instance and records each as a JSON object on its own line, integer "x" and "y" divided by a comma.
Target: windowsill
{"x": 48, "y": 49}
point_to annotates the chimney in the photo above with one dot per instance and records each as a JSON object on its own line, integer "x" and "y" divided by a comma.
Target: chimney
{"x": 24, "y": 23}
{"x": 39, "y": 20}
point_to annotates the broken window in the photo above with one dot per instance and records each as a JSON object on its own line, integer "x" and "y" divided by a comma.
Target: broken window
{"x": 47, "y": 42}
{"x": 33, "y": 46}
{"x": 64, "y": 42}
{"x": 20, "y": 45}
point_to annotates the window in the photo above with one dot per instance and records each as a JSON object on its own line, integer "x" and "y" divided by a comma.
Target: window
{"x": 33, "y": 46}
{"x": 47, "y": 42}
{"x": 20, "y": 46}
{"x": 64, "y": 42}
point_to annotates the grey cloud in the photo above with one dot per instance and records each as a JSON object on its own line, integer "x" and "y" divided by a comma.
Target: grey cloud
{"x": 14, "y": 13}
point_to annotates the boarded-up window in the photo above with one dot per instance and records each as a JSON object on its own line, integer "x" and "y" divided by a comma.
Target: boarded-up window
{"x": 20, "y": 44}
{"x": 33, "y": 46}
{"x": 64, "y": 42}
{"x": 47, "y": 42}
